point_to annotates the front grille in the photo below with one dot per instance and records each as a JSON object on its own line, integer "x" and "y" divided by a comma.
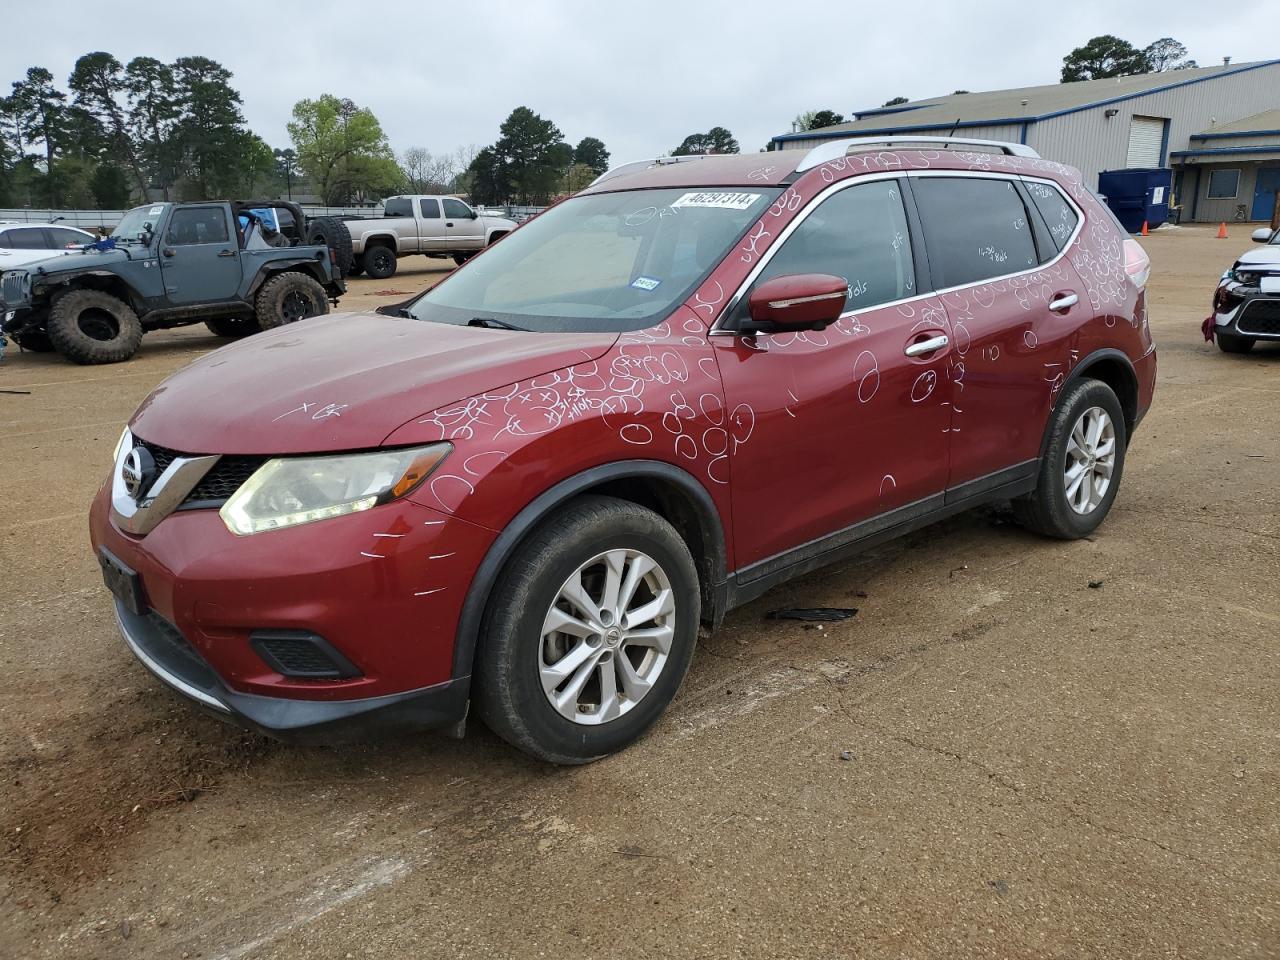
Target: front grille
{"x": 1260, "y": 317}
{"x": 222, "y": 480}
{"x": 168, "y": 646}
{"x": 12, "y": 287}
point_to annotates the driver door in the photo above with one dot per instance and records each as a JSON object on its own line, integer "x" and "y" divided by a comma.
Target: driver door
{"x": 838, "y": 426}
{"x": 200, "y": 256}
{"x": 462, "y": 226}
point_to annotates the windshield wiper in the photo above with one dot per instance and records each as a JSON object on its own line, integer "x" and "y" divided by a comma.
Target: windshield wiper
{"x": 493, "y": 323}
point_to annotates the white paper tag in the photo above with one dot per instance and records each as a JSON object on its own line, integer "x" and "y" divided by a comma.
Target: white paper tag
{"x": 718, "y": 198}
{"x": 1157, "y": 195}
{"x": 155, "y": 211}
{"x": 1270, "y": 285}
{"x": 645, "y": 283}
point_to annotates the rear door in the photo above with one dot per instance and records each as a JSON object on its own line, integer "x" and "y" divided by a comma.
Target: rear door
{"x": 465, "y": 231}
{"x": 21, "y": 245}
{"x": 832, "y": 427}
{"x": 431, "y": 230}
{"x": 200, "y": 256}
{"x": 1014, "y": 304}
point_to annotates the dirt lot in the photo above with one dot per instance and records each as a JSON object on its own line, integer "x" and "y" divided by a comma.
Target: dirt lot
{"x": 1037, "y": 768}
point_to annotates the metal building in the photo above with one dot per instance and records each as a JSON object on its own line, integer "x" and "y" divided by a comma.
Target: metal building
{"x": 1217, "y": 127}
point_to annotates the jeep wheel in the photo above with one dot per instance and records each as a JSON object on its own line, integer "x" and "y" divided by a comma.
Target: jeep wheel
{"x": 89, "y": 326}
{"x": 35, "y": 340}
{"x": 379, "y": 262}
{"x": 1082, "y": 465}
{"x": 588, "y": 633}
{"x": 332, "y": 233}
{"x": 233, "y": 328}
{"x": 1230, "y": 343}
{"x": 288, "y": 298}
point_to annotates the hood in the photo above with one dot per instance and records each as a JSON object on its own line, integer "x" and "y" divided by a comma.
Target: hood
{"x": 345, "y": 381}
{"x": 83, "y": 259}
{"x": 1261, "y": 256}
{"x": 498, "y": 222}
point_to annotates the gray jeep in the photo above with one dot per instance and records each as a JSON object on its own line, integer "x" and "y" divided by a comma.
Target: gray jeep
{"x": 239, "y": 267}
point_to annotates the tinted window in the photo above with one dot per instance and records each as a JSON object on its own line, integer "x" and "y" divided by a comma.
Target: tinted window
{"x": 24, "y": 238}
{"x": 62, "y": 237}
{"x": 1223, "y": 184}
{"x": 859, "y": 234}
{"x": 430, "y": 209}
{"x": 197, "y": 225}
{"x": 1059, "y": 216}
{"x": 976, "y": 229}
{"x": 455, "y": 209}
{"x": 398, "y": 207}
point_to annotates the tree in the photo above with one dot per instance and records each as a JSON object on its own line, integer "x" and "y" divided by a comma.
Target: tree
{"x": 803, "y": 121}
{"x": 209, "y": 129}
{"x": 110, "y": 187}
{"x": 825, "y": 118}
{"x": 533, "y": 155}
{"x": 1103, "y": 57}
{"x": 40, "y": 109}
{"x": 715, "y": 140}
{"x": 591, "y": 153}
{"x": 896, "y": 101}
{"x": 487, "y": 176}
{"x": 426, "y": 172}
{"x": 286, "y": 163}
{"x": 342, "y": 148}
{"x": 152, "y": 119}
{"x": 1166, "y": 54}
{"x": 99, "y": 83}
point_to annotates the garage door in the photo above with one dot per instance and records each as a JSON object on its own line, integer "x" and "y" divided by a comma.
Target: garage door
{"x": 1145, "y": 136}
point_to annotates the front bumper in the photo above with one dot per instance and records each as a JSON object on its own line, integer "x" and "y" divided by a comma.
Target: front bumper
{"x": 165, "y": 652}
{"x": 1255, "y": 315}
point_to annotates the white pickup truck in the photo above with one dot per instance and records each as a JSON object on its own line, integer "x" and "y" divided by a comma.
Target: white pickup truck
{"x": 432, "y": 226}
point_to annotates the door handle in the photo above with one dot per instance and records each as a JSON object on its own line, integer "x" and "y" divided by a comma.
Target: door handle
{"x": 226, "y": 253}
{"x": 1063, "y": 302}
{"x": 932, "y": 345}
{"x": 448, "y": 223}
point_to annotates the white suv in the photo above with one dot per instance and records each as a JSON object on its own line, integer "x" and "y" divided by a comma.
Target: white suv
{"x": 24, "y": 243}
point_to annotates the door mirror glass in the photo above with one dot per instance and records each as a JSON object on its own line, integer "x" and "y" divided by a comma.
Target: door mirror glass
{"x": 1262, "y": 236}
{"x": 802, "y": 301}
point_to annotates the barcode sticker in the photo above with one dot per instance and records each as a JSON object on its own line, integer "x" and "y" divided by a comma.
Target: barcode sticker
{"x": 722, "y": 200}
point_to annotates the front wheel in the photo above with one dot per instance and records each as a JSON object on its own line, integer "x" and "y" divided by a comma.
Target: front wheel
{"x": 1230, "y": 343}
{"x": 233, "y": 328}
{"x": 91, "y": 326}
{"x": 288, "y": 298}
{"x": 1082, "y": 465}
{"x": 589, "y": 632}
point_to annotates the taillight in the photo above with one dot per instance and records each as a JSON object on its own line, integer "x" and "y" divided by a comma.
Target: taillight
{"x": 1136, "y": 263}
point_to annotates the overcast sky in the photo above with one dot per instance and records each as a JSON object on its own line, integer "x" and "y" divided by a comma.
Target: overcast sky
{"x": 640, "y": 75}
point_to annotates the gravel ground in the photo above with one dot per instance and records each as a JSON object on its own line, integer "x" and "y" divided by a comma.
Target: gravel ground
{"x": 1035, "y": 767}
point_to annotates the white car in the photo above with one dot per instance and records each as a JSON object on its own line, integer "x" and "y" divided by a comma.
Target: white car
{"x": 1246, "y": 305}
{"x": 25, "y": 243}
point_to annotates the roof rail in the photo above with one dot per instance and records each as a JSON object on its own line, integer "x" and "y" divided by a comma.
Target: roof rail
{"x": 835, "y": 149}
{"x": 655, "y": 162}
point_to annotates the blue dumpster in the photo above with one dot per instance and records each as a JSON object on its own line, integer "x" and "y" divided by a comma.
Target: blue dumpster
{"x": 1137, "y": 195}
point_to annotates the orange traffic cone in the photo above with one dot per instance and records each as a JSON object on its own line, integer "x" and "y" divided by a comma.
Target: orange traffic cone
{"x": 1222, "y": 230}
{"x": 1144, "y": 228}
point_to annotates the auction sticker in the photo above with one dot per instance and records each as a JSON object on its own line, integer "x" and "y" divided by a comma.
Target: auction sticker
{"x": 645, "y": 283}
{"x": 720, "y": 199}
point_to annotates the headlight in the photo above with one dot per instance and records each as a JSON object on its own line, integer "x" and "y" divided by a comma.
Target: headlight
{"x": 125, "y": 437}
{"x": 293, "y": 490}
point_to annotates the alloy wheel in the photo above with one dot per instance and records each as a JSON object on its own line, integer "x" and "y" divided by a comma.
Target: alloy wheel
{"x": 607, "y": 636}
{"x": 1091, "y": 459}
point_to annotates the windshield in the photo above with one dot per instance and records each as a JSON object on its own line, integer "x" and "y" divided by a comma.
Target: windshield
{"x": 133, "y": 225}
{"x": 603, "y": 262}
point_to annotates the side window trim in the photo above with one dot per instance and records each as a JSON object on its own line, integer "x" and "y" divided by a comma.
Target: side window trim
{"x": 1046, "y": 249}
{"x": 919, "y": 249}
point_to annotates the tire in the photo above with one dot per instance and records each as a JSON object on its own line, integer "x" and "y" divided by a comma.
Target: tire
{"x": 233, "y": 328}
{"x": 1054, "y": 508}
{"x": 511, "y": 658}
{"x": 35, "y": 340}
{"x": 89, "y": 326}
{"x": 461, "y": 258}
{"x": 332, "y": 233}
{"x": 379, "y": 262}
{"x": 1230, "y": 343}
{"x": 287, "y": 298}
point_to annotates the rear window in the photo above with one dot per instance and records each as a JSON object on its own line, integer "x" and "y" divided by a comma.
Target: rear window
{"x": 398, "y": 207}
{"x": 1059, "y": 216}
{"x": 975, "y": 229}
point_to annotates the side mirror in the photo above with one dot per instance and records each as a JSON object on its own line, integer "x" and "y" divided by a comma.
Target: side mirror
{"x": 802, "y": 301}
{"x": 1262, "y": 235}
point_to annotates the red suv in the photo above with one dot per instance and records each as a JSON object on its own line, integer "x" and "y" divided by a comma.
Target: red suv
{"x": 698, "y": 378}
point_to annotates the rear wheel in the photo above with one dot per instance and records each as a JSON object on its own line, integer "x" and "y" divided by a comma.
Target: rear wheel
{"x": 1230, "y": 343}
{"x": 288, "y": 298}
{"x": 461, "y": 258}
{"x": 90, "y": 326}
{"x": 379, "y": 262}
{"x": 1082, "y": 465}
{"x": 233, "y": 328}
{"x": 589, "y": 632}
